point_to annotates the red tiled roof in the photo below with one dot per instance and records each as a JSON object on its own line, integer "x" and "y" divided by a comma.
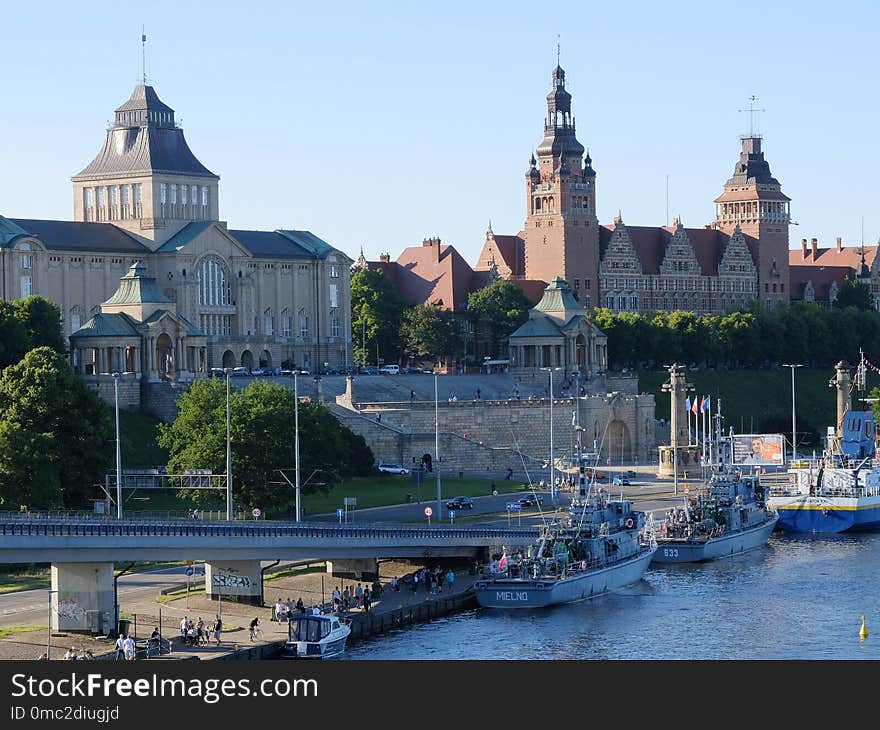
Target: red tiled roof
{"x": 508, "y": 251}
{"x": 532, "y": 288}
{"x": 820, "y": 276}
{"x": 850, "y": 256}
{"x": 750, "y": 194}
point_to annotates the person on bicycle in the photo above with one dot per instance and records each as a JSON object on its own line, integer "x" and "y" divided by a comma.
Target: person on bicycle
{"x": 254, "y": 626}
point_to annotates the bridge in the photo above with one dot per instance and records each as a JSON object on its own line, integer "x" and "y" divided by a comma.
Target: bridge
{"x": 83, "y": 553}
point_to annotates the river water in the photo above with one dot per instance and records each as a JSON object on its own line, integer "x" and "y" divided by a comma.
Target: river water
{"x": 799, "y": 597}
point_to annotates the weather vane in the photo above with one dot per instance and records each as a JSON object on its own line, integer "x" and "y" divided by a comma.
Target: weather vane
{"x": 752, "y": 111}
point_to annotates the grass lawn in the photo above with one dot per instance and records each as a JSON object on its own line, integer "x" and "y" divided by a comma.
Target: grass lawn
{"x": 15, "y": 578}
{"x": 12, "y": 630}
{"x": 378, "y": 491}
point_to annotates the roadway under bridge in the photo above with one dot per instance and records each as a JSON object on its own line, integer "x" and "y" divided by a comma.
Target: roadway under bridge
{"x": 83, "y": 554}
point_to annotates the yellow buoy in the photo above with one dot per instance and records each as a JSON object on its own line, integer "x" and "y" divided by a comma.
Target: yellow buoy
{"x": 863, "y": 632}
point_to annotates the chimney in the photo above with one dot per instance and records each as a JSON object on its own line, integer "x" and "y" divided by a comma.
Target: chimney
{"x": 839, "y": 245}
{"x": 433, "y": 243}
{"x": 804, "y": 247}
{"x": 815, "y": 244}
{"x": 385, "y": 258}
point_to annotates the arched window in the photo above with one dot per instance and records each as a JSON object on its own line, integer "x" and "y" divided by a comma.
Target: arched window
{"x": 286, "y": 323}
{"x": 303, "y": 323}
{"x": 214, "y": 288}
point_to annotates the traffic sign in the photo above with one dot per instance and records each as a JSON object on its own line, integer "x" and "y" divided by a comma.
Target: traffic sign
{"x": 428, "y": 511}
{"x": 256, "y": 512}
{"x": 189, "y": 571}
{"x": 340, "y": 512}
{"x": 452, "y": 514}
{"x": 514, "y": 506}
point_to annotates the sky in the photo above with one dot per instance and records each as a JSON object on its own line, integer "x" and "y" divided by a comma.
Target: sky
{"x": 379, "y": 124}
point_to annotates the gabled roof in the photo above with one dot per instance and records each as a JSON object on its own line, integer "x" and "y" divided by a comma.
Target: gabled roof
{"x": 558, "y": 297}
{"x": 185, "y": 235}
{"x": 79, "y": 236}
{"x": 160, "y": 314}
{"x": 850, "y": 256}
{"x": 650, "y": 244}
{"x": 433, "y": 274}
{"x": 508, "y": 251}
{"x": 108, "y": 325}
{"x": 538, "y": 327}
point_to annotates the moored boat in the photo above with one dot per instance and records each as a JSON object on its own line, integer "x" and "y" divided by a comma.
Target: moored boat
{"x": 319, "y": 636}
{"x": 728, "y": 517}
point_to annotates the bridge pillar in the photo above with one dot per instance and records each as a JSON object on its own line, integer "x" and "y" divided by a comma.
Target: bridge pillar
{"x": 365, "y": 569}
{"x": 239, "y": 578}
{"x": 82, "y": 597}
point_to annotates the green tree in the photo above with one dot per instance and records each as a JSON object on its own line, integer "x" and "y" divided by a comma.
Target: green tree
{"x": 262, "y": 439}
{"x": 428, "y": 330}
{"x": 27, "y": 477}
{"x": 498, "y": 310}
{"x": 14, "y": 337}
{"x": 41, "y": 396}
{"x": 42, "y": 321}
{"x": 376, "y": 315}
{"x": 854, "y": 293}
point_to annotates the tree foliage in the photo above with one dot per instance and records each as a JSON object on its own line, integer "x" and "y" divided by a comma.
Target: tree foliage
{"x": 262, "y": 439}
{"x": 62, "y": 429}
{"x": 499, "y": 309}
{"x": 376, "y": 316}
{"x": 428, "y": 330}
{"x": 26, "y": 324}
{"x": 854, "y": 293}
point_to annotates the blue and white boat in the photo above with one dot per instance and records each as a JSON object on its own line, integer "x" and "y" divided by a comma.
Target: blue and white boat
{"x": 318, "y": 636}
{"x": 839, "y": 492}
{"x": 603, "y": 545}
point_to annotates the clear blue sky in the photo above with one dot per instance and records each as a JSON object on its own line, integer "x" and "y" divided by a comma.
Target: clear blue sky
{"x": 378, "y": 124}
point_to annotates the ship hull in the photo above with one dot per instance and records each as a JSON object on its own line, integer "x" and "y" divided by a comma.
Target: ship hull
{"x": 827, "y": 514}
{"x": 526, "y": 593}
{"x": 671, "y": 550}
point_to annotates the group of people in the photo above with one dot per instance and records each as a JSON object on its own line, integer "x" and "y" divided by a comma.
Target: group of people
{"x": 360, "y": 598}
{"x": 433, "y": 580}
{"x": 198, "y": 633}
{"x": 125, "y": 648}
{"x": 285, "y": 610}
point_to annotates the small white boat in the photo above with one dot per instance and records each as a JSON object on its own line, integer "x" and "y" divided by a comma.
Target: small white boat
{"x": 316, "y": 637}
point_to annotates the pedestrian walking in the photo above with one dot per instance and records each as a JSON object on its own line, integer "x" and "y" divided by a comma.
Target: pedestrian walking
{"x": 337, "y": 599}
{"x": 129, "y": 648}
{"x": 120, "y": 651}
{"x": 218, "y": 630}
{"x": 279, "y": 609}
{"x": 300, "y": 606}
{"x": 184, "y": 625}
{"x": 415, "y": 582}
{"x": 412, "y": 396}
{"x": 367, "y": 599}
{"x": 478, "y": 394}
{"x": 359, "y": 595}
{"x": 450, "y": 579}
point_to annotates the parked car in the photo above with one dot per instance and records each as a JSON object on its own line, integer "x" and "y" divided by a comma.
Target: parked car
{"x": 303, "y": 371}
{"x": 371, "y": 370}
{"x": 240, "y": 372}
{"x": 620, "y": 480}
{"x": 531, "y": 501}
{"x": 390, "y": 369}
{"x": 218, "y": 373}
{"x": 259, "y": 372}
{"x": 460, "y": 503}
{"x": 392, "y": 469}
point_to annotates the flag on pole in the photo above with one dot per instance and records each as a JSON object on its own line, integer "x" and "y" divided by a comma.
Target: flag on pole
{"x": 687, "y": 403}
{"x": 703, "y": 405}
{"x": 502, "y": 564}
{"x": 694, "y": 407}
{"x": 708, "y": 406}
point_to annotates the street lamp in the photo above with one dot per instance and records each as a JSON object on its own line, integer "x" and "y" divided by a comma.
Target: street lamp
{"x": 118, "y": 449}
{"x": 228, "y": 372}
{"x": 552, "y": 471}
{"x": 437, "y": 445}
{"x": 297, "y": 481}
{"x": 793, "y": 427}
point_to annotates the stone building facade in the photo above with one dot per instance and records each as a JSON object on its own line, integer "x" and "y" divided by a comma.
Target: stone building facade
{"x": 262, "y": 298}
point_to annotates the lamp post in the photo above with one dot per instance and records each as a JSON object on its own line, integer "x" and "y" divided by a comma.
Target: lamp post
{"x": 793, "y": 427}
{"x": 552, "y": 471}
{"x": 437, "y": 445}
{"x": 228, "y": 372}
{"x": 118, "y": 448}
{"x": 297, "y": 481}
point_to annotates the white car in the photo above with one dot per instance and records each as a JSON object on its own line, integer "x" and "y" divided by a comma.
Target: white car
{"x": 390, "y": 369}
{"x": 393, "y": 469}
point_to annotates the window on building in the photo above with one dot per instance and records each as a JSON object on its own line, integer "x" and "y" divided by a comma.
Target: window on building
{"x": 183, "y": 197}
{"x": 766, "y": 289}
{"x": 173, "y": 194}
{"x": 163, "y": 199}
{"x": 214, "y": 284}
{"x": 268, "y": 322}
{"x": 609, "y": 301}
{"x": 114, "y": 201}
{"x": 137, "y": 194}
{"x": 577, "y": 284}
{"x": 334, "y": 295}
{"x": 774, "y": 287}
{"x": 205, "y": 199}
{"x": 26, "y": 286}
{"x": 75, "y": 318}
{"x": 587, "y": 284}
{"x": 89, "y": 203}
{"x": 194, "y": 196}
{"x": 303, "y": 323}
{"x": 334, "y": 272}
{"x": 286, "y": 323}
{"x": 26, "y": 260}
{"x": 334, "y": 327}
{"x": 102, "y": 202}
{"x": 782, "y": 288}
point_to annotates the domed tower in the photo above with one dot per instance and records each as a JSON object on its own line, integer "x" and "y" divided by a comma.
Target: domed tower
{"x": 562, "y": 230}
{"x": 754, "y": 201}
{"x": 145, "y": 178}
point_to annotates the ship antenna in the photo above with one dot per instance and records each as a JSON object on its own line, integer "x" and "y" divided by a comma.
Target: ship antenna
{"x": 531, "y": 486}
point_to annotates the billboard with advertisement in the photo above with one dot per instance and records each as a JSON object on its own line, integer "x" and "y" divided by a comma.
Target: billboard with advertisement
{"x": 763, "y": 449}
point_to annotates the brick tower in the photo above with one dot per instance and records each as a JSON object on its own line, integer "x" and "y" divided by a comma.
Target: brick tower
{"x": 561, "y": 229}
{"x": 753, "y": 201}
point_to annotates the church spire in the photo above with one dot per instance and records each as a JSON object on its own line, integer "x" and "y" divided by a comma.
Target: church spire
{"x": 559, "y": 126}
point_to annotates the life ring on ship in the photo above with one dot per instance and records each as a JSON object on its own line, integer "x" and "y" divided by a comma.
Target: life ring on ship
{"x": 628, "y": 523}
